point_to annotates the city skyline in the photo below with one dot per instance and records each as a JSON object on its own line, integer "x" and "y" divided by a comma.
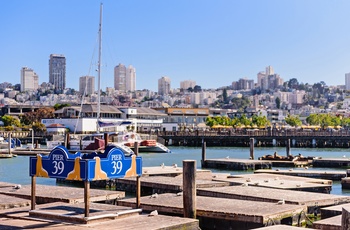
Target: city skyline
{"x": 212, "y": 43}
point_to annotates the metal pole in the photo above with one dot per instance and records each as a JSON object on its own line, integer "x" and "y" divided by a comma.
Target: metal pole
{"x": 204, "y": 147}
{"x": 32, "y": 138}
{"x": 252, "y": 148}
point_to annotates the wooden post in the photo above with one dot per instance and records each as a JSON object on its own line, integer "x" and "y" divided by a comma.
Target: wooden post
{"x": 288, "y": 147}
{"x": 33, "y": 198}
{"x": 66, "y": 141}
{"x": 252, "y": 148}
{"x": 87, "y": 197}
{"x": 204, "y": 147}
{"x": 9, "y": 143}
{"x": 138, "y": 181}
{"x": 36, "y": 144}
{"x": 105, "y": 137}
{"x": 345, "y": 219}
{"x": 189, "y": 188}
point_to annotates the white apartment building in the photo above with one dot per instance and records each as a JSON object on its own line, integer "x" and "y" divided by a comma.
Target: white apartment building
{"x": 164, "y": 85}
{"x": 124, "y": 78}
{"x": 347, "y": 81}
{"x": 87, "y": 85}
{"x": 29, "y": 80}
{"x": 187, "y": 84}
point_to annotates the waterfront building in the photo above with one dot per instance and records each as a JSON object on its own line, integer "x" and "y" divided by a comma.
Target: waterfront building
{"x": 124, "y": 78}
{"x": 347, "y": 81}
{"x": 83, "y": 118}
{"x": 87, "y": 85}
{"x": 187, "y": 84}
{"x": 57, "y": 71}
{"x": 164, "y": 86}
{"x": 29, "y": 80}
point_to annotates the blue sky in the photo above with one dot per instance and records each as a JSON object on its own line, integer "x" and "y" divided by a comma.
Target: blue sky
{"x": 211, "y": 42}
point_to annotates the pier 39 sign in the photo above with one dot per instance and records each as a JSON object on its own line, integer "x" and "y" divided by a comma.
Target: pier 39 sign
{"x": 60, "y": 163}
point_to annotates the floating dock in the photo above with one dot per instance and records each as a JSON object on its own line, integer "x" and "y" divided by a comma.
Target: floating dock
{"x": 236, "y": 164}
{"x": 49, "y": 194}
{"x": 331, "y": 162}
{"x": 18, "y": 218}
{"x": 311, "y": 200}
{"x": 328, "y": 175}
{"x": 332, "y": 223}
{"x": 279, "y": 182}
{"x": 220, "y": 212}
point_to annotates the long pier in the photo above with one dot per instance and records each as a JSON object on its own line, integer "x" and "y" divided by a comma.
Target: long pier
{"x": 262, "y": 138}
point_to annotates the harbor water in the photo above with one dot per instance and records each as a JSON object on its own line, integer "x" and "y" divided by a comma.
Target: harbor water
{"x": 16, "y": 170}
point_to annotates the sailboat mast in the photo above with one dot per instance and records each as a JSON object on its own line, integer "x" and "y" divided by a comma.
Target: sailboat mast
{"x": 99, "y": 69}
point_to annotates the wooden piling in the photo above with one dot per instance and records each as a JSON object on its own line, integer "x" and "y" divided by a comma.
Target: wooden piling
{"x": 345, "y": 219}
{"x": 33, "y": 198}
{"x": 9, "y": 143}
{"x": 87, "y": 198}
{"x": 288, "y": 147}
{"x": 66, "y": 141}
{"x": 105, "y": 136}
{"x": 204, "y": 147}
{"x": 138, "y": 181}
{"x": 252, "y": 148}
{"x": 189, "y": 188}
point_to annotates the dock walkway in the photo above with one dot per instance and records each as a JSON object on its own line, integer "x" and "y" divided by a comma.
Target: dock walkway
{"x": 250, "y": 214}
{"x": 320, "y": 174}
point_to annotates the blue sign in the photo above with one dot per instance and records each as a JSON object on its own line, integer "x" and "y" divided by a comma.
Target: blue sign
{"x": 61, "y": 164}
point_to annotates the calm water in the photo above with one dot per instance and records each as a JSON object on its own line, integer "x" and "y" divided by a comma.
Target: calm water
{"x": 16, "y": 170}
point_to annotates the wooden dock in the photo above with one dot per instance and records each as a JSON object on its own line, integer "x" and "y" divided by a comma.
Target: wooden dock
{"x": 334, "y": 210}
{"x": 49, "y": 194}
{"x": 280, "y": 182}
{"x": 280, "y": 227}
{"x": 333, "y": 223}
{"x": 19, "y": 218}
{"x": 164, "y": 184}
{"x": 328, "y": 175}
{"x": 7, "y": 202}
{"x": 311, "y": 200}
{"x": 214, "y": 212}
{"x": 236, "y": 164}
{"x": 331, "y": 162}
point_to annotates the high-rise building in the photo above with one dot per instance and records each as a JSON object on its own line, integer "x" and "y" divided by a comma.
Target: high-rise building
{"x": 57, "y": 71}
{"x": 130, "y": 78}
{"x": 124, "y": 78}
{"x": 87, "y": 85}
{"x": 187, "y": 84}
{"x": 269, "y": 80}
{"x": 164, "y": 86}
{"x": 29, "y": 80}
{"x": 347, "y": 81}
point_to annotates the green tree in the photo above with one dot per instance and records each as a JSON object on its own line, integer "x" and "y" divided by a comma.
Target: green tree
{"x": 10, "y": 121}
{"x": 293, "y": 120}
{"x": 278, "y": 102}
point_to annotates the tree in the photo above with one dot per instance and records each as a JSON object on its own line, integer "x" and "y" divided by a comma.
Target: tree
{"x": 11, "y": 121}
{"x": 31, "y": 117}
{"x": 293, "y": 83}
{"x": 197, "y": 88}
{"x": 278, "y": 102}
{"x": 224, "y": 96}
{"x": 293, "y": 120}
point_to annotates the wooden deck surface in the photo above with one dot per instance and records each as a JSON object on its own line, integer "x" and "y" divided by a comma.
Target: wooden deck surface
{"x": 219, "y": 208}
{"x": 333, "y": 223}
{"x": 47, "y": 194}
{"x": 280, "y": 182}
{"x": 19, "y": 218}
{"x": 320, "y": 174}
{"x": 280, "y": 227}
{"x": 7, "y": 202}
{"x": 273, "y": 195}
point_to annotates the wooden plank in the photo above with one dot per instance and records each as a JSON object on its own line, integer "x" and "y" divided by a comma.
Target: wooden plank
{"x": 327, "y": 175}
{"x": 237, "y": 164}
{"x": 7, "y": 202}
{"x": 334, "y": 210}
{"x": 333, "y": 223}
{"x": 280, "y": 182}
{"x": 47, "y": 194}
{"x": 219, "y": 208}
{"x": 19, "y": 219}
{"x": 280, "y": 227}
{"x": 261, "y": 194}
